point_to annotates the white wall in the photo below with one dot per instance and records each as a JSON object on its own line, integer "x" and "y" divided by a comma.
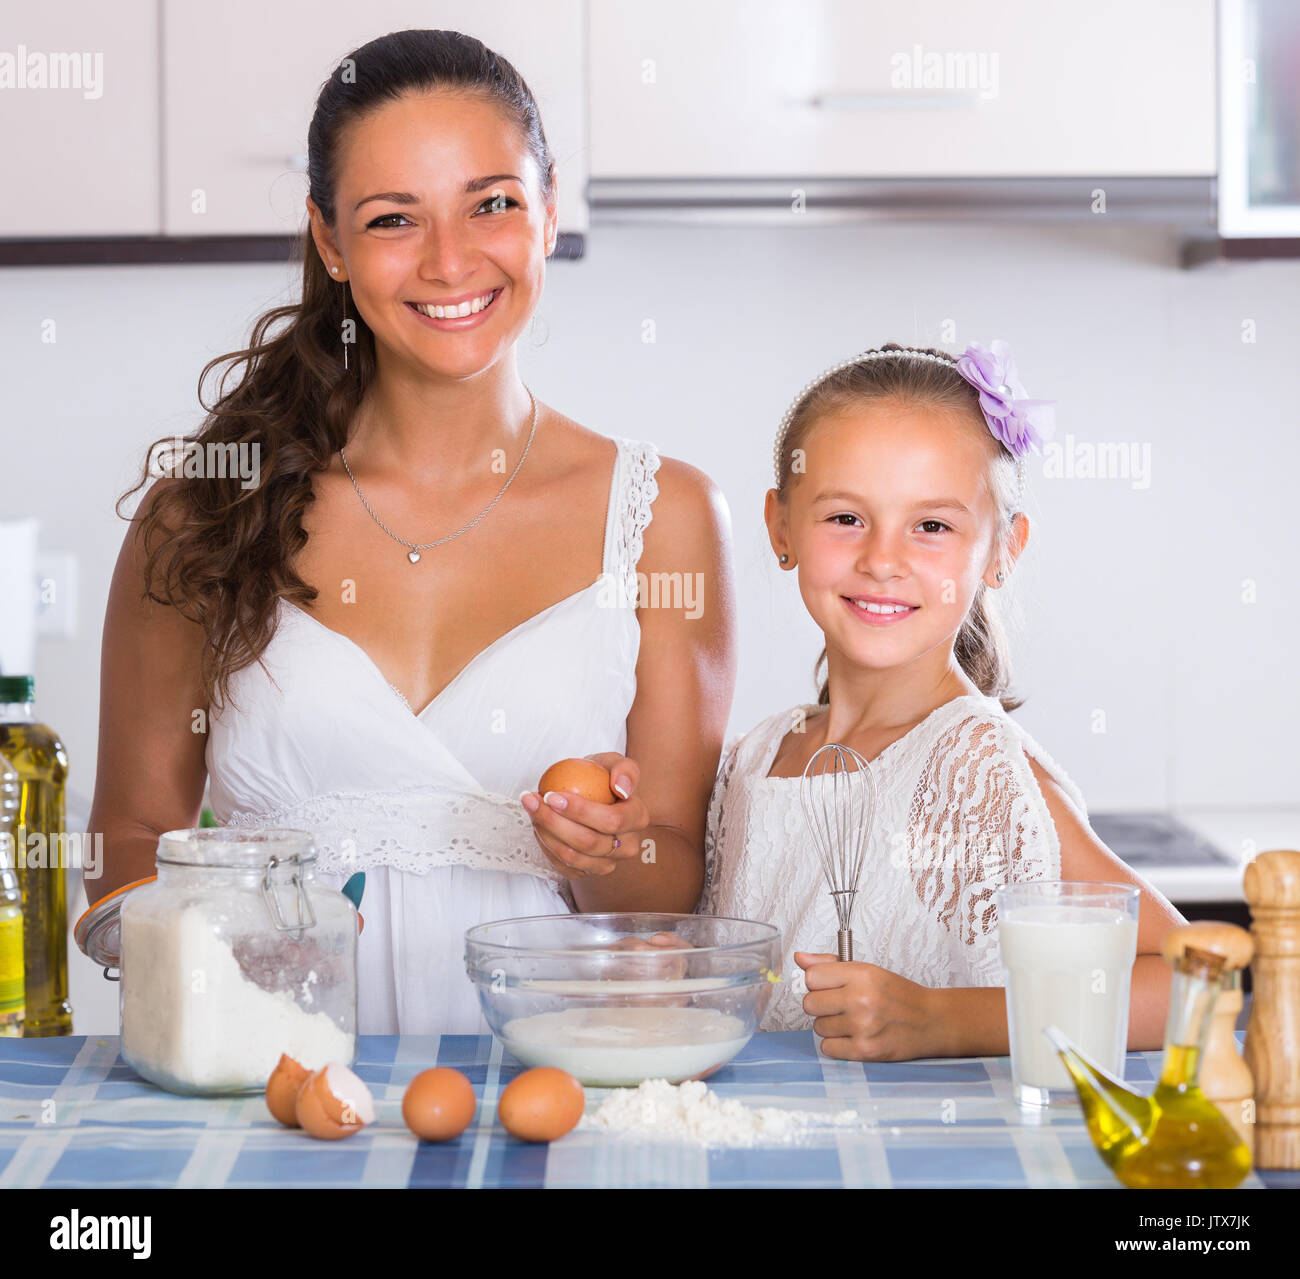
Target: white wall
{"x": 1131, "y": 598}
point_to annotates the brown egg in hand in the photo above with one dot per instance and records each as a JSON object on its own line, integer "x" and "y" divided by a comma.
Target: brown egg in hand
{"x": 439, "y": 1104}
{"x": 580, "y": 777}
{"x": 542, "y": 1104}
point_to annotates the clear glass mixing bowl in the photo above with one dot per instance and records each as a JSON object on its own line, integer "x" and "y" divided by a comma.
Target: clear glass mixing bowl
{"x": 618, "y": 998}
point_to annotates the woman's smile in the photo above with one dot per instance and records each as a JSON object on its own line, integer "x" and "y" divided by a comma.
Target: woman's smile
{"x": 455, "y": 314}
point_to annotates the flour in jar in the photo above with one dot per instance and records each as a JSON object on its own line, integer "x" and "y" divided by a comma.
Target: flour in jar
{"x": 192, "y": 1019}
{"x": 691, "y": 1113}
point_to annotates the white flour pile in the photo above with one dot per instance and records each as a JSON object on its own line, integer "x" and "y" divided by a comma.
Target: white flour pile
{"x": 690, "y": 1113}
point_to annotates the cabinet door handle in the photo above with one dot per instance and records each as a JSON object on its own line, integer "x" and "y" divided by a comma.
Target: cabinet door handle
{"x": 925, "y": 100}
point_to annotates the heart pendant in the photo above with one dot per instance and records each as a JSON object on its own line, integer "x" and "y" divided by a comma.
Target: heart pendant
{"x": 413, "y": 556}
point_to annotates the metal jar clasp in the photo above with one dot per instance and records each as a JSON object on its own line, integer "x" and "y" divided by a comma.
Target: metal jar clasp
{"x": 304, "y": 915}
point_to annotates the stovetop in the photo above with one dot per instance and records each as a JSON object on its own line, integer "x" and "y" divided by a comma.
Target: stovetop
{"x": 1156, "y": 839}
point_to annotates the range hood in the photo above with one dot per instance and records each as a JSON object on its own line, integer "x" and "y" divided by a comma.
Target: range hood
{"x": 1186, "y": 203}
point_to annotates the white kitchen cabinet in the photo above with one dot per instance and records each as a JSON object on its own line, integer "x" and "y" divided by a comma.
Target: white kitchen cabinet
{"x": 79, "y": 157}
{"x": 241, "y": 79}
{"x": 877, "y": 88}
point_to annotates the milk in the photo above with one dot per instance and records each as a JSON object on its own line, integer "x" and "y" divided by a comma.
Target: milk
{"x": 613, "y": 1047}
{"x": 682, "y": 986}
{"x": 1067, "y": 966}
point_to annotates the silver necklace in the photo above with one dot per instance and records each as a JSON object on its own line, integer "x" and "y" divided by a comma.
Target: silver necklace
{"x": 413, "y": 553}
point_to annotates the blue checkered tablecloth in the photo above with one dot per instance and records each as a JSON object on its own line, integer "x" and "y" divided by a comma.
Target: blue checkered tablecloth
{"x": 73, "y": 1115}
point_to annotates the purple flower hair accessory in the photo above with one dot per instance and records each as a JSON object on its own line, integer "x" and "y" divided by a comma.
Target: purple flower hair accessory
{"x": 1020, "y": 423}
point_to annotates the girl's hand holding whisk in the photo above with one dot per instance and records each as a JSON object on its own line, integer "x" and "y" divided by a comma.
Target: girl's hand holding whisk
{"x": 866, "y": 1013}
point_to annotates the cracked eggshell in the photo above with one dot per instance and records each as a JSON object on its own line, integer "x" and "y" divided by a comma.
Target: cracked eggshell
{"x": 282, "y": 1089}
{"x": 334, "y": 1102}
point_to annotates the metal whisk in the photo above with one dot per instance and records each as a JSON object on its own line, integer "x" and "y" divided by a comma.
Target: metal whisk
{"x": 839, "y": 800}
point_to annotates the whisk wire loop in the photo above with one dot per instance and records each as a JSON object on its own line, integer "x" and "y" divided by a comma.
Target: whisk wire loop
{"x": 838, "y": 794}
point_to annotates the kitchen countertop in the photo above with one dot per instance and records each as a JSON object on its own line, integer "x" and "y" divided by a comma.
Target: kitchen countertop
{"x": 73, "y": 1115}
{"x": 1197, "y": 854}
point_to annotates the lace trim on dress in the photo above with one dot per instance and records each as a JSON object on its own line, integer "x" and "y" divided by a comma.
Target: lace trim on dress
{"x": 414, "y": 829}
{"x": 640, "y": 488}
{"x": 714, "y": 825}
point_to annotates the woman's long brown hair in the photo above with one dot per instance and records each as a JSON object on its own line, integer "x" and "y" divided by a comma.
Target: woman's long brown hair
{"x": 222, "y": 554}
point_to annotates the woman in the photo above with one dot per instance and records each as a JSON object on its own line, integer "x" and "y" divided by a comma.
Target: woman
{"x": 430, "y": 593}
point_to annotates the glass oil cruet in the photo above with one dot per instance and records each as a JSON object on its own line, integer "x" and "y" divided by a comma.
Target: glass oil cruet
{"x": 1177, "y": 1138}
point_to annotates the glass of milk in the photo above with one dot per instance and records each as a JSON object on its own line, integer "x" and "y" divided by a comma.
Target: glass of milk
{"x": 1068, "y": 949}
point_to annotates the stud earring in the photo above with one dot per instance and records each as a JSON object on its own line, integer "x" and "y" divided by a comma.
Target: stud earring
{"x": 334, "y": 269}
{"x": 1001, "y": 576}
{"x": 784, "y": 558}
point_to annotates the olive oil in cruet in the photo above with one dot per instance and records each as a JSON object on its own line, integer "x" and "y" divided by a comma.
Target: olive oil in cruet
{"x": 1177, "y": 1138}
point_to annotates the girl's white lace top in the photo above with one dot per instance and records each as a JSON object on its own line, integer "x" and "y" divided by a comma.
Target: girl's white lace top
{"x": 958, "y": 811}
{"x": 321, "y": 741}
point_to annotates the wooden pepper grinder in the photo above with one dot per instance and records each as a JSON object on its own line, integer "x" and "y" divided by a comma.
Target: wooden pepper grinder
{"x": 1272, "y": 888}
{"x": 1223, "y": 1076}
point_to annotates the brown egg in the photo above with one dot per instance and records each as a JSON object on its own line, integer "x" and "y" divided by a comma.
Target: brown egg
{"x": 282, "y": 1089}
{"x": 333, "y": 1102}
{"x": 439, "y": 1104}
{"x": 581, "y": 777}
{"x": 542, "y": 1104}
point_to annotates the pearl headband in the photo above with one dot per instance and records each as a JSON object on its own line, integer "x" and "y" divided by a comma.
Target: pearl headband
{"x": 1018, "y": 423}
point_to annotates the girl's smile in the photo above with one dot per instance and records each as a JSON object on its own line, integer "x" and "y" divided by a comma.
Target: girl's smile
{"x": 878, "y": 612}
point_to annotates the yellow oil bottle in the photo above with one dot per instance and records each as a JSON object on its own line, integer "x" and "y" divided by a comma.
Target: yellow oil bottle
{"x": 38, "y": 757}
{"x": 12, "y": 990}
{"x": 1175, "y": 1139}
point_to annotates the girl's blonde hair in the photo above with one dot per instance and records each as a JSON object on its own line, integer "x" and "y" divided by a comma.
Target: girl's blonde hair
{"x": 981, "y": 645}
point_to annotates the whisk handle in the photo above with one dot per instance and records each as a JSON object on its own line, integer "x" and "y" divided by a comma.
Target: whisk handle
{"x": 846, "y": 944}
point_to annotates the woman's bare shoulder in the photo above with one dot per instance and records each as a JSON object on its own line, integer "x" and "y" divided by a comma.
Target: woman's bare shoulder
{"x": 690, "y": 523}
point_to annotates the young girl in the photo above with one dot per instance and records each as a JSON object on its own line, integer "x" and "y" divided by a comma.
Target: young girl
{"x": 899, "y": 477}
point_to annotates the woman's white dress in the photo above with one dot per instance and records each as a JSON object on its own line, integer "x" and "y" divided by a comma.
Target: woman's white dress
{"x": 428, "y": 804}
{"x": 958, "y": 811}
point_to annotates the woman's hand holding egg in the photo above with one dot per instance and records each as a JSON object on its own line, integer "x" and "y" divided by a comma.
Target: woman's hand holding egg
{"x": 580, "y": 822}
{"x": 657, "y": 958}
{"x": 655, "y": 942}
